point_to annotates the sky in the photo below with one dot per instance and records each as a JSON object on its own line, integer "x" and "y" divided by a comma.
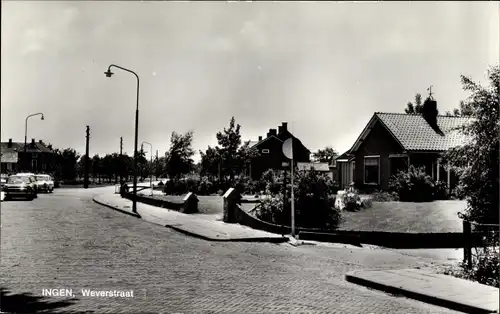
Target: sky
{"x": 323, "y": 67}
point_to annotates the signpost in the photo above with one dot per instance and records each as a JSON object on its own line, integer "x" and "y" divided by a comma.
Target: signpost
{"x": 288, "y": 152}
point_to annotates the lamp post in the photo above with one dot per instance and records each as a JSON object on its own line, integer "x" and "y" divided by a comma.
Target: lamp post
{"x": 26, "y": 135}
{"x": 109, "y": 74}
{"x": 151, "y": 163}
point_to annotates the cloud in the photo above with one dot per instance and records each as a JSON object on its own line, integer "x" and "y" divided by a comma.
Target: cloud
{"x": 49, "y": 32}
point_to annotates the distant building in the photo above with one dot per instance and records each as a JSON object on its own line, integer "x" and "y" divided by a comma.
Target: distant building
{"x": 39, "y": 157}
{"x": 393, "y": 141}
{"x": 270, "y": 151}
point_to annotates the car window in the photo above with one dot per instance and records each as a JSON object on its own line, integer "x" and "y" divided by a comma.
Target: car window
{"x": 43, "y": 178}
{"x": 18, "y": 180}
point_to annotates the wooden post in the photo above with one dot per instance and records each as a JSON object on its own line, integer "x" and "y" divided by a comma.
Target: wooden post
{"x": 467, "y": 243}
{"x": 438, "y": 170}
{"x": 448, "y": 178}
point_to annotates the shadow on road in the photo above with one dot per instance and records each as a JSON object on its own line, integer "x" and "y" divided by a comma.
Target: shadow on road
{"x": 27, "y": 303}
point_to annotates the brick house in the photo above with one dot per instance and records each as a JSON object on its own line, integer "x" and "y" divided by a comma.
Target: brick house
{"x": 39, "y": 157}
{"x": 392, "y": 141}
{"x": 270, "y": 153}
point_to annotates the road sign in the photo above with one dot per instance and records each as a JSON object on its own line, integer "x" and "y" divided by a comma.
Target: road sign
{"x": 287, "y": 148}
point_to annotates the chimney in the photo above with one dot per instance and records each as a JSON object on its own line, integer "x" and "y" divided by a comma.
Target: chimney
{"x": 280, "y": 130}
{"x": 430, "y": 113}
{"x": 32, "y": 141}
{"x": 284, "y": 126}
{"x": 260, "y": 138}
{"x": 272, "y": 131}
{"x": 10, "y": 143}
{"x": 40, "y": 141}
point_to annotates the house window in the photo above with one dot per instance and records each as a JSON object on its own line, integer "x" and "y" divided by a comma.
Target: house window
{"x": 372, "y": 170}
{"x": 34, "y": 155}
{"x": 265, "y": 151}
{"x": 34, "y": 165}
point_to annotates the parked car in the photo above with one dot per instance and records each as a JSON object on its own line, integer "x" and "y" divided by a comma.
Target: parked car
{"x": 32, "y": 176}
{"x": 44, "y": 183}
{"x": 23, "y": 186}
{"x": 3, "y": 180}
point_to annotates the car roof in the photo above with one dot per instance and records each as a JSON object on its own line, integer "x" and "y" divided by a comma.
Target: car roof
{"x": 25, "y": 174}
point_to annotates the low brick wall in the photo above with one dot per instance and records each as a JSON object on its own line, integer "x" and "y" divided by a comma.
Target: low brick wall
{"x": 155, "y": 202}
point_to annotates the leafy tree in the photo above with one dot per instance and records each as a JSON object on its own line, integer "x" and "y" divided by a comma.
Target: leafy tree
{"x": 210, "y": 162}
{"x": 477, "y": 161}
{"x": 244, "y": 157}
{"x": 179, "y": 156}
{"x": 464, "y": 110}
{"x": 229, "y": 141}
{"x": 67, "y": 163}
{"x": 416, "y": 108}
{"x": 96, "y": 167}
{"x": 327, "y": 154}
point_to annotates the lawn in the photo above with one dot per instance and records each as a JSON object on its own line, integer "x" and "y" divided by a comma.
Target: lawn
{"x": 209, "y": 205}
{"x": 438, "y": 216}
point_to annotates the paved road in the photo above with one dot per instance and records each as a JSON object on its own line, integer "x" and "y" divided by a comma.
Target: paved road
{"x": 66, "y": 241}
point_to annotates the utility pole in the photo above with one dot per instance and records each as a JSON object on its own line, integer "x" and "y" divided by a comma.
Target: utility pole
{"x": 156, "y": 165}
{"x": 121, "y": 159}
{"x": 86, "y": 170}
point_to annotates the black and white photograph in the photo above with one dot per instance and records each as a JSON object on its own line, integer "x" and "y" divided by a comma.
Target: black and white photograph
{"x": 337, "y": 157}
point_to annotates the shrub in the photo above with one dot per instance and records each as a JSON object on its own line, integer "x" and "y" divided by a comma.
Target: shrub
{"x": 314, "y": 201}
{"x": 384, "y": 196}
{"x": 415, "y": 185}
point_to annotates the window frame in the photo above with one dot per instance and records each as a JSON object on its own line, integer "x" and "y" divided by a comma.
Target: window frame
{"x": 377, "y": 157}
{"x": 265, "y": 151}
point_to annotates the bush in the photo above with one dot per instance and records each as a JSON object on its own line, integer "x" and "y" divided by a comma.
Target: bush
{"x": 415, "y": 185}
{"x": 314, "y": 201}
{"x": 383, "y": 196}
{"x": 484, "y": 269}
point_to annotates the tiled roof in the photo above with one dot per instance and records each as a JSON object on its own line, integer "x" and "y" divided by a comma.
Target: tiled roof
{"x": 414, "y": 133}
{"x": 30, "y": 147}
{"x": 319, "y": 166}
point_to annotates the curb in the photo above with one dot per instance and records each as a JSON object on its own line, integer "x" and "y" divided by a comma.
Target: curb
{"x": 199, "y": 236}
{"x": 351, "y": 277}
{"x": 117, "y": 209}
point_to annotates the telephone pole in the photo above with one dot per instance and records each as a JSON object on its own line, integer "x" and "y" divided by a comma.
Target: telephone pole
{"x": 121, "y": 158}
{"x": 86, "y": 169}
{"x": 156, "y": 165}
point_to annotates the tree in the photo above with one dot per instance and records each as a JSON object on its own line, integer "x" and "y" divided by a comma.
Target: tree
{"x": 244, "y": 157}
{"x": 67, "y": 161}
{"x": 328, "y": 154}
{"x": 96, "y": 168}
{"x": 478, "y": 161}
{"x": 464, "y": 110}
{"x": 210, "y": 162}
{"x": 179, "y": 156}
{"x": 229, "y": 140}
{"x": 416, "y": 108}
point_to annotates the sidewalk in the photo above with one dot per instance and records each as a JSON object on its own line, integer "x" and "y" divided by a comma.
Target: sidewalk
{"x": 442, "y": 290}
{"x": 189, "y": 224}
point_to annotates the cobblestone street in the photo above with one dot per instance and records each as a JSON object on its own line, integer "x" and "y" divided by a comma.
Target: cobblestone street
{"x": 64, "y": 240}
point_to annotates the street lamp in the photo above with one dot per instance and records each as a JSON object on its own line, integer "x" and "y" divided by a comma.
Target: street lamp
{"x": 109, "y": 74}
{"x": 151, "y": 163}
{"x": 26, "y": 135}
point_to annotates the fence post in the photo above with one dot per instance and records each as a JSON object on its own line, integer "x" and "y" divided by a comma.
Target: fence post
{"x": 467, "y": 243}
